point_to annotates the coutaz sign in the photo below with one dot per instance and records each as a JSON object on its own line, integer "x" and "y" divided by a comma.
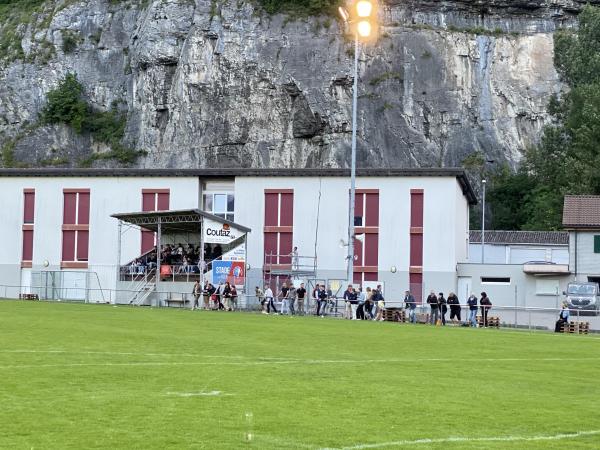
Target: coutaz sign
{"x": 218, "y": 233}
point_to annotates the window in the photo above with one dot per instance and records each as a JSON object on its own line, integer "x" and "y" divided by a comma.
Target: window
{"x": 596, "y": 244}
{"x": 28, "y": 216}
{"x": 153, "y": 200}
{"x": 75, "y": 229}
{"x": 221, "y": 205}
{"x": 546, "y": 287}
{"x": 495, "y": 280}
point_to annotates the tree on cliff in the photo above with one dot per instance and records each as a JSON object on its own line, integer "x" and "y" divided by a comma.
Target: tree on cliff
{"x": 567, "y": 159}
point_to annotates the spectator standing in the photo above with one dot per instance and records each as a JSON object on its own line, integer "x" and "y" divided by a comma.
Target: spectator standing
{"x": 369, "y": 304}
{"x": 411, "y": 305}
{"x": 454, "y": 308}
{"x": 283, "y": 295}
{"x": 563, "y": 318}
{"x": 260, "y": 296}
{"x": 269, "y": 300}
{"x": 351, "y": 299}
{"x": 292, "y": 299}
{"x": 321, "y": 300}
{"x": 380, "y": 303}
{"x": 360, "y": 310}
{"x": 295, "y": 259}
{"x": 196, "y": 291}
{"x": 486, "y": 305}
{"x": 472, "y": 302}
{"x": 443, "y": 307}
{"x": 234, "y": 298}
{"x": 300, "y": 296}
{"x": 226, "y": 294}
{"x": 432, "y": 301}
{"x": 206, "y": 294}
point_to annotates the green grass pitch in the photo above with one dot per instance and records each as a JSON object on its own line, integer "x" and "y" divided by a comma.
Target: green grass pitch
{"x": 83, "y": 376}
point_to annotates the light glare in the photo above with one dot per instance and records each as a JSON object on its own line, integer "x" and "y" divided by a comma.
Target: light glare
{"x": 344, "y": 13}
{"x": 364, "y": 8}
{"x": 364, "y": 28}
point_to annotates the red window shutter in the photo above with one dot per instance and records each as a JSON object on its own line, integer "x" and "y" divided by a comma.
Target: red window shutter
{"x": 372, "y": 213}
{"x": 147, "y": 241}
{"x": 163, "y": 202}
{"x": 271, "y": 247}
{"x": 83, "y": 212}
{"x": 358, "y": 206}
{"x": 287, "y": 211}
{"x": 285, "y": 247}
{"x": 416, "y": 249}
{"x": 28, "y": 210}
{"x": 415, "y": 280}
{"x": 271, "y": 209}
{"x": 82, "y": 245}
{"x": 371, "y": 249}
{"x": 69, "y": 209}
{"x": 68, "y": 246}
{"x": 371, "y": 276}
{"x": 27, "y": 245}
{"x": 416, "y": 209}
{"x": 358, "y": 278}
{"x": 148, "y": 202}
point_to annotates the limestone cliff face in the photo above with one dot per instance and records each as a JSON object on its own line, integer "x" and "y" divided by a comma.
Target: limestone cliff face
{"x": 210, "y": 83}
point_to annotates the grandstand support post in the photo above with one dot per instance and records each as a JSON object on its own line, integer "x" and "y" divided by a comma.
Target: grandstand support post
{"x": 246, "y": 292}
{"x": 120, "y": 227}
{"x": 201, "y": 263}
{"x": 158, "y": 255}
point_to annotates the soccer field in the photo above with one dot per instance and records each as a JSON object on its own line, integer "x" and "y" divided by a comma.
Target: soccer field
{"x": 83, "y": 376}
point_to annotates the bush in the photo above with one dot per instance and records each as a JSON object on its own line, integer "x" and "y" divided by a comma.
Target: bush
{"x": 302, "y": 7}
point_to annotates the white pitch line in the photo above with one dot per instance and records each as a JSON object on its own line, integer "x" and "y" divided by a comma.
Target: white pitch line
{"x": 198, "y": 394}
{"x": 555, "y": 437}
{"x": 264, "y": 362}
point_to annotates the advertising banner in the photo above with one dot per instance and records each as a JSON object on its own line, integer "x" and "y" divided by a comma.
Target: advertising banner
{"x": 219, "y": 233}
{"x": 232, "y": 271}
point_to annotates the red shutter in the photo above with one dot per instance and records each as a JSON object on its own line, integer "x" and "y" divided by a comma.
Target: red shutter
{"x": 68, "y": 246}
{"x": 82, "y": 245}
{"x": 163, "y": 202}
{"x": 28, "y": 210}
{"x": 148, "y": 202}
{"x": 371, "y": 249}
{"x": 27, "y": 245}
{"x": 357, "y": 278}
{"x": 416, "y": 208}
{"x": 358, "y": 206}
{"x": 83, "y": 211}
{"x": 271, "y": 210}
{"x": 371, "y": 276}
{"x": 358, "y": 253}
{"x": 147, "y": 241}
{"x": 285, "y": 247}
{"x": 416, "y": 249}
{"x": 271, "y": 245}
{"x": 372, "y": 213}
{"x": 415, "y": 281}
{"x": 69, "y": 209}
{"x": 287, "y": 211}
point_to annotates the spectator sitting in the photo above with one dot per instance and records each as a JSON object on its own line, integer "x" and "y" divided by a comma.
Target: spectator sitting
{"x": 562, "y": 318}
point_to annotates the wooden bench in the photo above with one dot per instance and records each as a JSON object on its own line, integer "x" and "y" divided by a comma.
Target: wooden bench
{"x": 28, "y": 297}
{"x": 181, "y": 301}
{"x": 394, "y": 315}
{"x": 576, "y": 327}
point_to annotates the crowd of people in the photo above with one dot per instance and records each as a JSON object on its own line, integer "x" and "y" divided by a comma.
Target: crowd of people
{"x": 186, "y": 257}
{"x": 439, "y": 305}
{"x": 223, "y": 297}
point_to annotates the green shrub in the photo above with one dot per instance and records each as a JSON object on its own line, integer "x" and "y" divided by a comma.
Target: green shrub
{"x": 301, "y": 7}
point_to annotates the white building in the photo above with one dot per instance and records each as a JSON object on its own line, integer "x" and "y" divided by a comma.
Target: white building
{"x": 412, "y": 225}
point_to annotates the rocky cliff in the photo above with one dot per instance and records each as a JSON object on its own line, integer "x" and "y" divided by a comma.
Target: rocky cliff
{"x": 207, "y": 83}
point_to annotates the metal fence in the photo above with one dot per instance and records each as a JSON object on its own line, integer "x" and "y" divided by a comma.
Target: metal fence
{"x": 531, "y": 318}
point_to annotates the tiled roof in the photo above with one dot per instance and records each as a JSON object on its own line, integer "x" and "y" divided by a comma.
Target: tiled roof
{"x": 521, "y": 237}
{"x": 581, "y": 211}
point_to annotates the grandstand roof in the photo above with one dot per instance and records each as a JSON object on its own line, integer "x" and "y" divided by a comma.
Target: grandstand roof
{"x": 188, "y": 220}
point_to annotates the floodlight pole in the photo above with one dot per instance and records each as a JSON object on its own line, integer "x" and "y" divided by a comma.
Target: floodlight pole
{"x": 353, "y": 167}
{"x": 484, "y": 182}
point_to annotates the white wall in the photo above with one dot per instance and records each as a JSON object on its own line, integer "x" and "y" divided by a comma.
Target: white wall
{"x": 445, "y": 220}
{"x": 588, "y": 262}
{"x": 107, "y": 196}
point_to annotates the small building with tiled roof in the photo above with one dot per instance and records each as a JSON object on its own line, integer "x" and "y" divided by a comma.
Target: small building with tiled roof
{"x": 581, "y": 217}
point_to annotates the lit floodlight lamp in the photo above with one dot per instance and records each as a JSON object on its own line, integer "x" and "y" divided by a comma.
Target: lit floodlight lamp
{"x": 364, "y": 8}
{"x": 364, "y": 28}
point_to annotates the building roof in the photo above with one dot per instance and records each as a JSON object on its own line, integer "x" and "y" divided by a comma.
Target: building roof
{"x": 243, "y": 172}
{"x": 521, "y": 237}
{"x": 581, "y": 211}
{"x": 181, "y": 220}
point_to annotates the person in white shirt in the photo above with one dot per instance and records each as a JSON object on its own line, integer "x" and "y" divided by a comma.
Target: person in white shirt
{"x": 269, "y": 300}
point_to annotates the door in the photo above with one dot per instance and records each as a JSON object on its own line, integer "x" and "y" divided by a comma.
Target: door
{"x": 464, "y": 288}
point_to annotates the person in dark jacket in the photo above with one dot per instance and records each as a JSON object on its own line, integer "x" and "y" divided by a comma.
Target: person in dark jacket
{"x": 472, "y": 302}
{"x": 486, "y": 305}
{"x": 432, "y": 301}
{"x": 454, "y": 308}
{"x": 351, "y": 297}
{"x": 321, "y": 295}
{"x": 443, "y": 307}
{"x": 563, "y": 318}
{"x": 411, "y": 305}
